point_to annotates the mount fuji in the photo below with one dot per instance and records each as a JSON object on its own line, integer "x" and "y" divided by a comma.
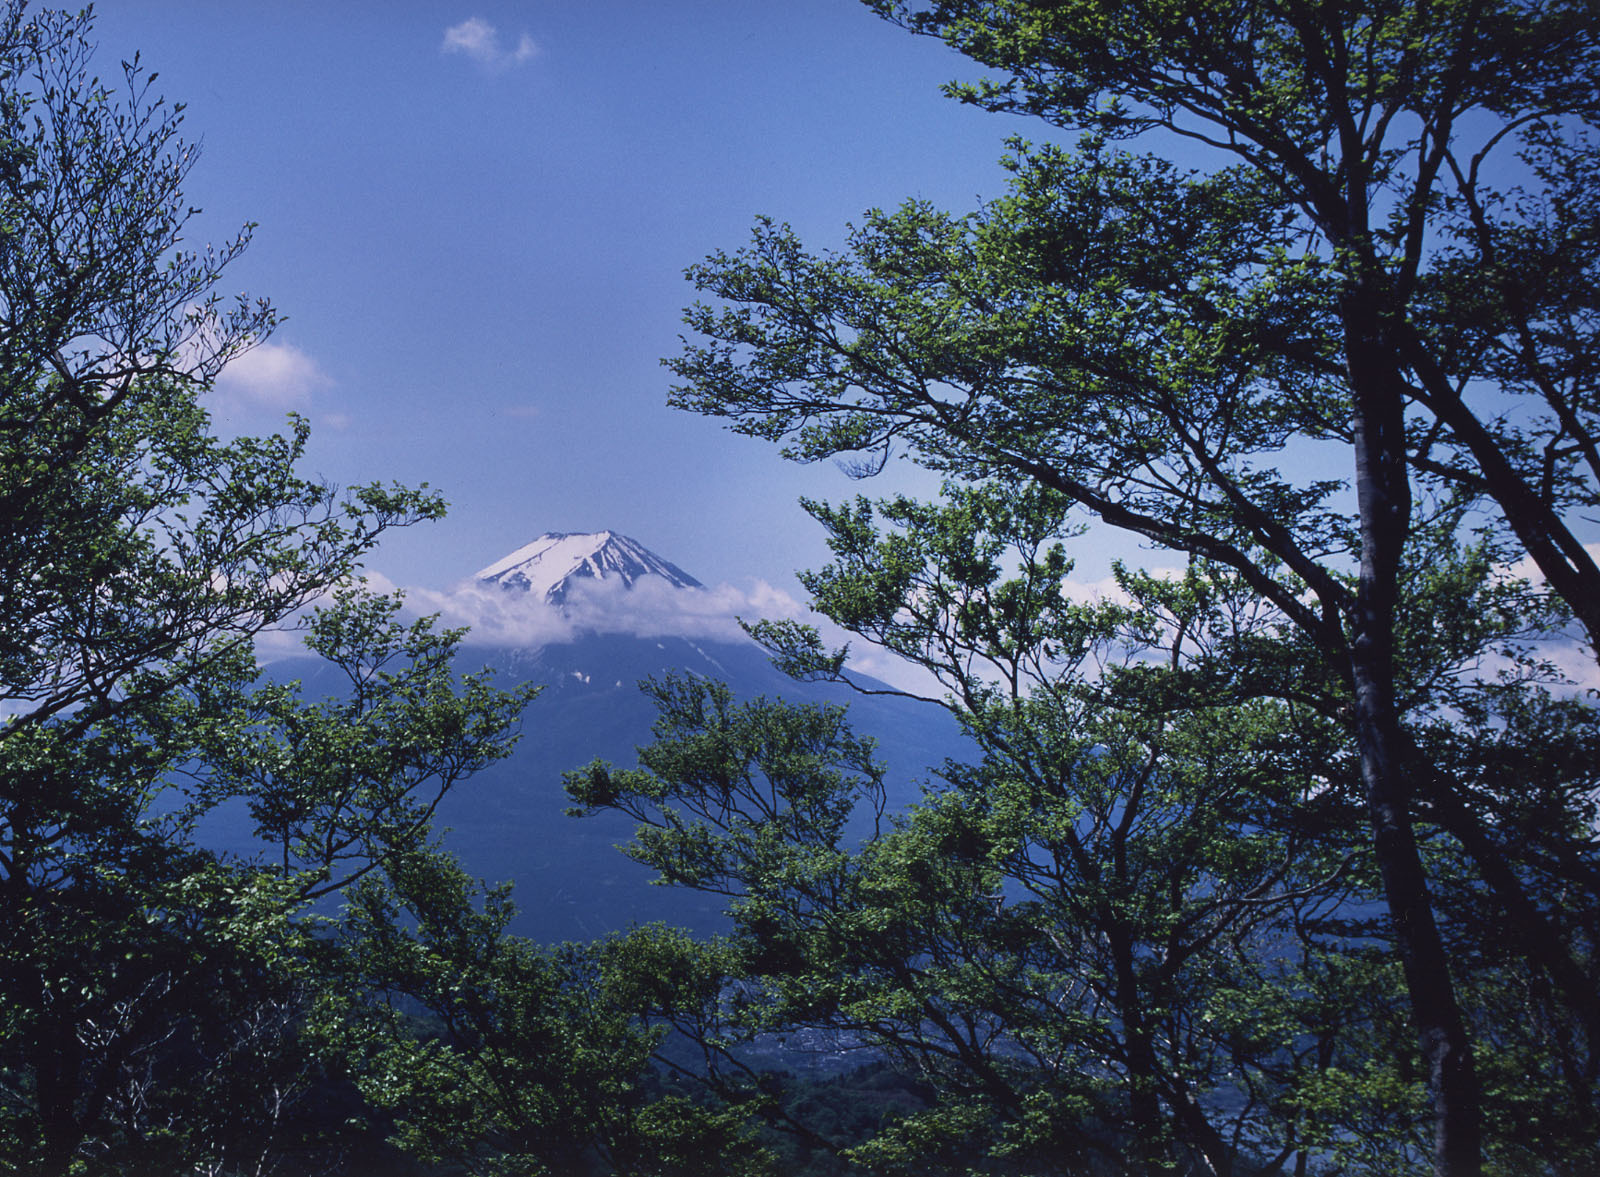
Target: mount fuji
{"x": 549, "y": 567}
{"x": 509, "y": 823}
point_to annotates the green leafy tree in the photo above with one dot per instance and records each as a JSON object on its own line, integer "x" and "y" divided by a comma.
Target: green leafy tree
{"x": 152, "y": 995}
{"x": 532, "y": 1060}
{"x": 1141, "y": 933}
{"x": 339, "y": 786}
{"x": 1110, "y": 943}
{"x": 1350, "y": 279}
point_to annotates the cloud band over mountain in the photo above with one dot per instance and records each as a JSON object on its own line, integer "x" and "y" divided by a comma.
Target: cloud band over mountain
{"x": 650, "y": 608}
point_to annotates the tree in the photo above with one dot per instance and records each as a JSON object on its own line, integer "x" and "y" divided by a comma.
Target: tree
{"x": 1346, "y": 280}
{"x": 533, "y": 1059}
{"x": 153, "y": 993}
{"x": 1112, "y": 944}
{"x": 1141, "y": 933}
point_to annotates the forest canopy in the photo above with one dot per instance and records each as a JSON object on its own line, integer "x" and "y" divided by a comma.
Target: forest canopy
{"x": 1284, "y": 863}
{"x": 1392, "y": 258}
{"x": 166, "y": 1008}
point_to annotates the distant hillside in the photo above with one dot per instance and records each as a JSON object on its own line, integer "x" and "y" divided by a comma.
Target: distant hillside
{"x": 571, "y": 881}
{"x": 508, "y": 823}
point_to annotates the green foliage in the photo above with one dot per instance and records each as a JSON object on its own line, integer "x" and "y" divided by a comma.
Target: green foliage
{"x": 155, "y": 993}
{"x": 537, "y": 1062}
{"x": 153, "y": 997}
{"x": 1344, "y": 371}
{"x": 342, "y": 785}
{"x": 768, "y": 779}
{"x": 1285, "y": 863}
{"x": 1142, "y": 929}
{"x": 1112, "y": 899}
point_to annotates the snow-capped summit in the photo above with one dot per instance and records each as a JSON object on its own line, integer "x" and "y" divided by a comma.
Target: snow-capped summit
{"x": 551, "y": 564}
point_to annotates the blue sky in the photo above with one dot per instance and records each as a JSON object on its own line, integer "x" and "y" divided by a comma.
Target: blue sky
{"x": 476, "y": 217}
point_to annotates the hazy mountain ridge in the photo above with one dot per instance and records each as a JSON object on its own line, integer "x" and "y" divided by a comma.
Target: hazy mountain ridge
{"x": 509, "y": 821}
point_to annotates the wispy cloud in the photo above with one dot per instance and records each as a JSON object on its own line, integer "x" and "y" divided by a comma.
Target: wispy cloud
{"x": 1526, "y": 569}
{"x": 480, "y": 40}
{"x": 1091, "y": 592}
{"x": 652, "y": 608}
{"x": 272, "y": 376}
{"x": 1568, "y": 650}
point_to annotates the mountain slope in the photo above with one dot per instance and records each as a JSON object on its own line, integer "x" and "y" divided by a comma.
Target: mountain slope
{"x": 508, "y": 823}
{"x": 571, "y": 880}
{"x": 549, "y": 567}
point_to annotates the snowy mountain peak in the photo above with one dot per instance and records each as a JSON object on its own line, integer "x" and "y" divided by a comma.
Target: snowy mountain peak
{"x": 550, "y": 565}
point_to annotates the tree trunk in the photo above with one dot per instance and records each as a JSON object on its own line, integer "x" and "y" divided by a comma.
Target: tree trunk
{"x": 1384, "y": 497}
{"x": 1151, "y": 1142}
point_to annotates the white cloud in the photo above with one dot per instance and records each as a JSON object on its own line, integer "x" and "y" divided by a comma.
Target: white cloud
{"x": 1573, "y": 658}
{"x": 480, "y": 40}
{"x": 272, "y": 376}
{"x": 1568, "y": 651}
{"x": 652, "y": 608}
{"x": 1526, "y": 569}
{"x": 1092, "y": 592}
